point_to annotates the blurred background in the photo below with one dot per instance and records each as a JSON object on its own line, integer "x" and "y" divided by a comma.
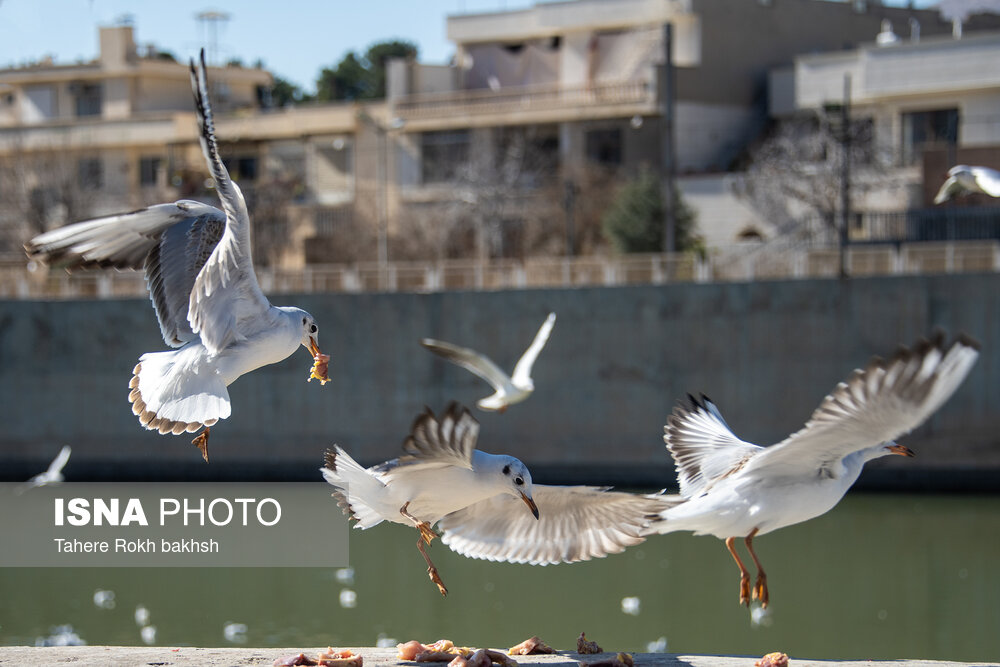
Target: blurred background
{"x": 728, "y": 197}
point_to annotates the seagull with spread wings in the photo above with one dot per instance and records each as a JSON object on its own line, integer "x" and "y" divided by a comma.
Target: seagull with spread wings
{"x": 963, "y": 179}
{"x": 735, "y": 489}
{"x": 509, "y": 389}
{"x": 54, "y": 473}
{"x": 204, "y": 290}
{"x": 478, "y": 500}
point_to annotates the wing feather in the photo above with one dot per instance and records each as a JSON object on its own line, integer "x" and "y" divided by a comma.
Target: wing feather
{"x": 574, "y": 523}
{"x": 470, "y": 360}
{"x": 522, "y": 370}
{"x": 449, "y": 441}
{"x": 226, "y": 289}
{"x": 877, "y": 404}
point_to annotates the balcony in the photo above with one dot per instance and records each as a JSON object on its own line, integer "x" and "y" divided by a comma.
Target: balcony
{"x": 525, "y": 104}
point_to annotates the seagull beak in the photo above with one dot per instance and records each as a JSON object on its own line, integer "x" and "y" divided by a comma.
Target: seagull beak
{"x": 313, "y": 346}
{"x": 530, "y": 503}
{"x": 901, "y": 450}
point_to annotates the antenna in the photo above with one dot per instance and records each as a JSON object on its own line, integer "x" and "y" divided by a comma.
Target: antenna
{"x": 210, "y": 21}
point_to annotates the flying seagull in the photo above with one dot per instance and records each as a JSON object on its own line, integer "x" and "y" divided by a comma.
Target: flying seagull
{"x": 478, "y": 500}
{"x": 202, "y": 284}
{"x": 736, "y": 489}
{"x": 510, "y": 389}
{"x": 54, "y": 474}
{"x": 963, "y": 179}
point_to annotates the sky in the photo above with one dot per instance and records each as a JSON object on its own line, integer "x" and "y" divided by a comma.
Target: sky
{"x": 294, "y": 38}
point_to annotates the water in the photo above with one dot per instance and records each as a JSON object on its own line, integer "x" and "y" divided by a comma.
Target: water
{"x": 881, "y": 577}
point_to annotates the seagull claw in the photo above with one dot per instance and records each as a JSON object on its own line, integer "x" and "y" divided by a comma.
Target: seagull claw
{"x": 201, "y": 442}
{"x": 760, "y": 590}
{"x": 426, "y": 532}
{"x": 744, "y": 590}
{"x": 436, "y": 578}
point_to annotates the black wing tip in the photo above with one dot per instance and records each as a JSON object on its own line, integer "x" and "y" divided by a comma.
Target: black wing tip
{"x": 330, "y": 459}
{"x": 966, "y": 340}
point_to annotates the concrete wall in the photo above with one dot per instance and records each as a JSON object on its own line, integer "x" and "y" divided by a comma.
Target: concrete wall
{"x": 617, "y": 361}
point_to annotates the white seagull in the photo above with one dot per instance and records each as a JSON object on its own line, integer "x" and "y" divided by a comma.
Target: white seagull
{"x": 478, "y": 499}
{"x": 963, "y": 179}
{"x": 202, "y": 284}
{"x": 510, "y": 389}
{"x": 54, "y": 474}
{"x": 736, "y": 489}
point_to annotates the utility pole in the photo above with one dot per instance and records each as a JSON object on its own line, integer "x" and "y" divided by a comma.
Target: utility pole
{"x": 668, "y": 164}
{"x": 845, "y": 172}
{"x": 569, "y": 209}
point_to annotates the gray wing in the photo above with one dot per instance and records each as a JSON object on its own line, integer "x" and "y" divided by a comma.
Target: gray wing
{"x": 877, "y": 404}
{"x": 170, "y": 242}
{"x": 574, "y": 523}
{"x": 449, "y": 441}
{"x": 988, "y": 180}
{"x": 225, "y": 291}
{"x": 522, "y": 371}
{"x": 470, "y": 360}
{"x": 704, "y": 449}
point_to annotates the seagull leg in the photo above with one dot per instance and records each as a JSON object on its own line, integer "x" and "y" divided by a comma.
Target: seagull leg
{"x": 426, "y": 532}
{"x": 744, "y": 574}
{"x": 201, "y": 442}
{"x": 432, "y": 571}
{"x": 760, "y": 586}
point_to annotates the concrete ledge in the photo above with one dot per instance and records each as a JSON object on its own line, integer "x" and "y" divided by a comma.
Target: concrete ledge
{"x": 128, "y": 656}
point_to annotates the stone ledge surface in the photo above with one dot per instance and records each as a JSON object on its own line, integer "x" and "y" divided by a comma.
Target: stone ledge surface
{"x": 129, "y": 656}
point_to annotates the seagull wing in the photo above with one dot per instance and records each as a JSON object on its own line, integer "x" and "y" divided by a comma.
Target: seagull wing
{"x": 950, "y": 188}
{"x": 449, "y": 441}
{"x": 522, "y": 371}
{"x": 877, "y": 404}
{"x": 704, "y": 449}
{"x": 470, "y": 360}
{"x": 59, "y": 462}
{"x": 170, "y": 242}
{"x": 225, "y": 291}
{"x": 574, "y": 523}
{"x": 987, "y": 179}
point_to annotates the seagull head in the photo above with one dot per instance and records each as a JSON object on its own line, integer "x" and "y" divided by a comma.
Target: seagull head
{"x": 517, "y": 481}
{"x": 309, "y": 329}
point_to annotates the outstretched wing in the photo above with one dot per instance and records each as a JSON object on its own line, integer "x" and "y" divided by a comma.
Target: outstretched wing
{"x": 449, "y": 441}
{"x": 950, "y": 188}
{"x": 522, "y": 371}
{"x": 470, "y": 360}
{"x": 703, "y": 447}
{"x": 226, "y": 290}
{"x": 59, "y": 462}
{"x": 877, "y": 404}
{"x": 574, "y": 523}
{"x": 170, "y": 242}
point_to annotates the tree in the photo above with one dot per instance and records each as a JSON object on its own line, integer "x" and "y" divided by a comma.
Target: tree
{"x": 794, "y": 176}
{"x": 361, "y": 77}
{"x": 285, "y": 93}
{"x": 634, "y": 221}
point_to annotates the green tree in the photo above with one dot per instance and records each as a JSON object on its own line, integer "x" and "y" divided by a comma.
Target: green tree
{"x": 361, "y": 77}
{"x": 634, "y": 221}
{"x": 284, "y": 93}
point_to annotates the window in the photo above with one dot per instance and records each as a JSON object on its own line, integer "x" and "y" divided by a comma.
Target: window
{"x": 927, "y": 129}
{"x": 149, "y": 170}
{"x": 443, "y": 153}
{"x": 241, "y": 168}
{"x": 90, "y": 173}
{"x": 604, "y": 146}
{"x": 88, "y": 98}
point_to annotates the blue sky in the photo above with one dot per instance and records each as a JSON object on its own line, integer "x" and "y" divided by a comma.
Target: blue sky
{"x": 294, "y": 38}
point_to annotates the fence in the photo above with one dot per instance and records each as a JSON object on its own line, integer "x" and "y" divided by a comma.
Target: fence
{"x": 738, "y": 264}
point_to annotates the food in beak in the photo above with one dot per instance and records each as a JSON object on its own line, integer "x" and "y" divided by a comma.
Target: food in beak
{"x": 320, "y": 363}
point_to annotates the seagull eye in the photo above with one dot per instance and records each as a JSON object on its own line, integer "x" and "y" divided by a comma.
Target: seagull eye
{"x": 303, "y": 321}
{"x": 506, "y": 470}
{"x": 313, "y": 328}
{"x": 518, "y": 481}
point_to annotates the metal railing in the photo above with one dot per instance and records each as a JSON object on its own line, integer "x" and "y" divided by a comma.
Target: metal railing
{"x": 739, "y": 264}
